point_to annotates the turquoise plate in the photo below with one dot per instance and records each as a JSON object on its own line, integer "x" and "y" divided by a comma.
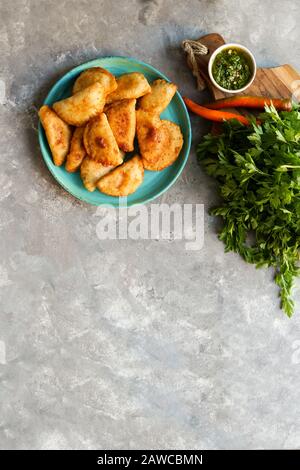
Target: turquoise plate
{"x": 155, "y": 183}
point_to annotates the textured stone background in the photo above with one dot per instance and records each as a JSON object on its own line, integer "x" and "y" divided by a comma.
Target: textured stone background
{"x": 124, "y": 344}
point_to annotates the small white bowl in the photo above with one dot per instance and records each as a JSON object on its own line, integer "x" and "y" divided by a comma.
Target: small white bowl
{"x": 251, "y": 60}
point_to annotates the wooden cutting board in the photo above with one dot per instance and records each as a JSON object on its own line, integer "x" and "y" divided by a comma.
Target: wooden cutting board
{"x": 276, "y": 82}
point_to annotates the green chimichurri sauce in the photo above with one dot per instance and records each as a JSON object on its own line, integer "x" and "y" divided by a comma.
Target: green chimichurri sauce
{"x": 231, "y": 69}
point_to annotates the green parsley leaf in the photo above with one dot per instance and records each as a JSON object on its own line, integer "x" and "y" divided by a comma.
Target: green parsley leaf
{"x": 258, "y": 171}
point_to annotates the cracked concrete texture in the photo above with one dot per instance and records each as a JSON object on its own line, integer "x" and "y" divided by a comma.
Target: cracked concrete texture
{"x": 132, "y": 344}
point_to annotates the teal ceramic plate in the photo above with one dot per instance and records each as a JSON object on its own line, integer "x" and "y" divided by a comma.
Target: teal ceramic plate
{"x": 155, "y": 183}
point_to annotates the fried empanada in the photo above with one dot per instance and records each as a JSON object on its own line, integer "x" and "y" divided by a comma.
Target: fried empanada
{"x": 81, "y": 107}
{"x": 100, "y": 142}
{"x": 85, "y": 136}
{"x": 169, "y": 152}
{"x": 93, "y": 75}
{"x": 161, "y": 95}
{"x": 122, "y": 120}
{"x": 91, "y": 172}
{"x": 160, "y": 141}
{"x": 130, "y": 85}
{"x": 58, "y": 134}
{"x": 150, "y": 139}
{"x": 77, "y": 151}
{"x": 123, "y": 180}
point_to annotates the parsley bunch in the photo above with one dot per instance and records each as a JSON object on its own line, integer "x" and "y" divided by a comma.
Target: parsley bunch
{"x": 258, "y": 170}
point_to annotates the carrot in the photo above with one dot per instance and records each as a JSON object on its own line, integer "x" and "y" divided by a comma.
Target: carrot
{"x": 250, "y": 102}
{"x": 212, "y": 115}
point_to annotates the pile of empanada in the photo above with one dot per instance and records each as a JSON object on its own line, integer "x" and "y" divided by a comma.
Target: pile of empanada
{"x": 93, "y": 129}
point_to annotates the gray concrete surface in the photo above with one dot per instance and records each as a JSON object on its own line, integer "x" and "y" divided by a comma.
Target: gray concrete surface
{"x": 122, "y": 343}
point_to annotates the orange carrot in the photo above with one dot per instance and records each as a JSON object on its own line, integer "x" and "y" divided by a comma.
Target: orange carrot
{"x": 258, "y": 102}
{"x": 212, "y": 115}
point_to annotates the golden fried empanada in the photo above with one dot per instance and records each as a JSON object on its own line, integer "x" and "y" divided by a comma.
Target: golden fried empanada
{"x": 170, "y": 151}
{"x": 149, "y": 137}
{"x": 91, "y": 172}
{"x": 77, "y": 151}
{"x": 130, "y": 85}
{"x": 85, "y": 135}
{"x": 81, "y": 107}
{"x": 123, "y": 180}
{"x": 160, "y": 141}
{"x": 122, "y": 120}
{"x": 93, "y": 75}
{"x": 100, "y": 142}
{"x": 58, "y": 134}
{"x": 161, "y": 95}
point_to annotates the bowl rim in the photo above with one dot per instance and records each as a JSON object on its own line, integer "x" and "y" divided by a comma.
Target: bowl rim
{"x": 213, "y": 57}
{"x": 94, "y": 63}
